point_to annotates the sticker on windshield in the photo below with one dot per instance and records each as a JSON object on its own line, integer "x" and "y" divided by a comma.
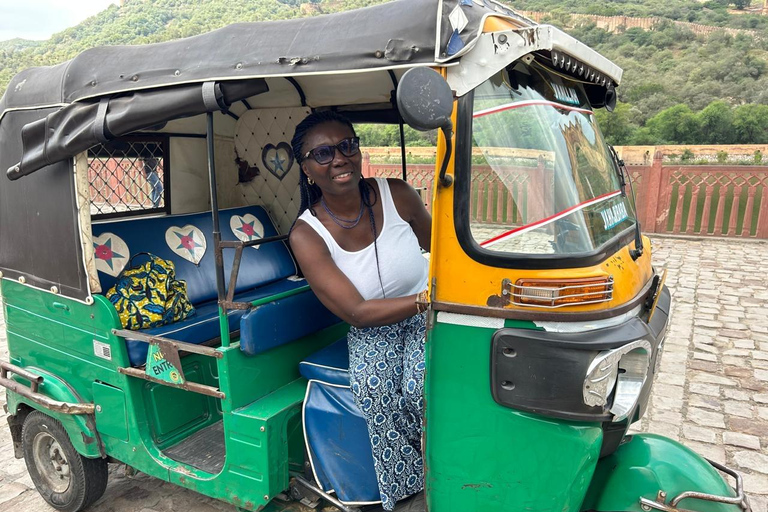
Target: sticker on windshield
{"x": 614, "y": 215}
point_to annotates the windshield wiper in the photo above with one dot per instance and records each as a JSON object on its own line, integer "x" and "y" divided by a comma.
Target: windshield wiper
{"x": 623, "y": 175}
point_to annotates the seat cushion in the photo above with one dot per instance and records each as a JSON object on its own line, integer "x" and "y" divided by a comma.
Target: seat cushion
{"x": 282, "y": 321}
{"x": 204, "y": 324}
{"x": 329, "y": 365}
{"x": 338, "y": 444}
{"x": 269, "y": 263}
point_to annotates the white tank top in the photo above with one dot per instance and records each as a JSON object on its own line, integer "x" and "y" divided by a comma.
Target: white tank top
{"x": 404, "y": 271}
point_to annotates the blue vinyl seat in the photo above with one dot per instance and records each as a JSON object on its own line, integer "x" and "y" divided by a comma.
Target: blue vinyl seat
{"x": 336, "y": 433}
{"x": 264, "y": 271}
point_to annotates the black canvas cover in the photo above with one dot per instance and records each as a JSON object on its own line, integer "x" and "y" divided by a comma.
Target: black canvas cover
{"x": 398, "y": 34}
{"x": 404, "y": 32}
{"x": 39, "y": 236}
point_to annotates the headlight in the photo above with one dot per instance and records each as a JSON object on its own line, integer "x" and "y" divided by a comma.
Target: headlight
{"x": 621, "y": 371}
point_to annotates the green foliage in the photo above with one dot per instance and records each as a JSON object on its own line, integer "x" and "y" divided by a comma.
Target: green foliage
{"x": 389, "y": 135}
{"x": 707, "y": 13}
{"x": 750, "y": 123}
{"x": 716, "y": 123}
{"x": 722, "y": 157}
{"x": 677, "y": 87}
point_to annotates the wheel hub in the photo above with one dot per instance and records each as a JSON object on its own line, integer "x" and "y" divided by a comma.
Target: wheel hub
{"x": 51, "y": 462}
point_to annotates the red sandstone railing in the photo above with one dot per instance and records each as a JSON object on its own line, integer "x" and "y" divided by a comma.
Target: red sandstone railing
{"x": 702, "y": 200}
{"x": 713, "y": 200}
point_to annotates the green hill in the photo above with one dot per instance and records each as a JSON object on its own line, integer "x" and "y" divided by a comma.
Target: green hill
{"x": 716, "y": 84}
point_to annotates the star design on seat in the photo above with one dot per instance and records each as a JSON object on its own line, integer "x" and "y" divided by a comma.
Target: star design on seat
{"x": 249, "y": 230}
{"x": 104, "y": 252}
{"x": 187, "y": 241}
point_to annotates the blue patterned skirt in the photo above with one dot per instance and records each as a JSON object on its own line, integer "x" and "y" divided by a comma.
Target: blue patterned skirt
{"x": 386, "y": 366}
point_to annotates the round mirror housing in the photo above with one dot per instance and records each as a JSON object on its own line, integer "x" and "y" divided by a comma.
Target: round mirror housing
{"x": 424, "y": 99}
{"x": 610, "y": 99}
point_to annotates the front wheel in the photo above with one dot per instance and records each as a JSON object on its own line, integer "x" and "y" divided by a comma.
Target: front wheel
{"x": 66, "y": 480}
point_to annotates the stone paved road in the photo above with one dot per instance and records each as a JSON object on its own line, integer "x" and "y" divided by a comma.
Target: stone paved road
{"x": 711, "y": 393}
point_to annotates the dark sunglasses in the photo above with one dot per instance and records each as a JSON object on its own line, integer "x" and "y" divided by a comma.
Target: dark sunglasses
{"x": 324, "y": 154}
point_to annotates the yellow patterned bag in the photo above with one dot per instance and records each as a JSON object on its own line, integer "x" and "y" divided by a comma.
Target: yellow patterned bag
{"x": 149, "y": 295}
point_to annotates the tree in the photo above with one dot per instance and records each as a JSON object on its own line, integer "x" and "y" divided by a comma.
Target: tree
{"x": 750, "y": 122}
{"x": 716, "y": 123}
{"x": 742, "y": 4}
{"x": 617, "y": 126}
{"x": 676, "y": 124}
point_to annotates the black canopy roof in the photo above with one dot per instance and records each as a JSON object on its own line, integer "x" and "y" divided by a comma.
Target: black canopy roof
{"x": 111, "y": 91}
{"x": 403, "y": 33}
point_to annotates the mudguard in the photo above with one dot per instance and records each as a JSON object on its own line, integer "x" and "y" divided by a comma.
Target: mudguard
{"x": 81, "y": 428}
{"x": 647, "y": 464}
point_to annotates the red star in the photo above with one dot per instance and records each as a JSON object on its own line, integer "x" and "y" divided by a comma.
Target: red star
{"x": 188, "y": 242}
{"x": 103, "y": 252}
{"x": 248, "y": 229}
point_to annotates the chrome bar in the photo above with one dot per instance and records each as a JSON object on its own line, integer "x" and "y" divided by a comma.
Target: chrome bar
{"x": 739, "y": 500}
{"x": 188, "y": 386}
{"x": 178, "y": 345}
{"x": 30, "y": 392}
{"x": 324, "y": 494}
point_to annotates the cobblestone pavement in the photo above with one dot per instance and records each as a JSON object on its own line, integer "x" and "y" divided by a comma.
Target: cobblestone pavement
{"x": 711, "y": 393}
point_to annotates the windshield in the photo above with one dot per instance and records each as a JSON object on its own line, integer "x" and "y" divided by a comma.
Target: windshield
{"x": 542, "y": 178}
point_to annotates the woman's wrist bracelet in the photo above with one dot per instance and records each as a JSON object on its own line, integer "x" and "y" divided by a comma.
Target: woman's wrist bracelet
{"x": 422, "y": 301}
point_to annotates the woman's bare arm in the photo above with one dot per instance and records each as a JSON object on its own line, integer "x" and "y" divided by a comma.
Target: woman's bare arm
{"x": 336, "y": 291}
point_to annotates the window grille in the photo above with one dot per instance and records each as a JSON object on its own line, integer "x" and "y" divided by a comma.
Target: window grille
{"x": 129, "y": 176}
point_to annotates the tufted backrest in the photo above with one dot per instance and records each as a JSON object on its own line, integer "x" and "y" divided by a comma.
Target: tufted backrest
{"x": 163, "y": 236}
{"x": 263, "y": 138}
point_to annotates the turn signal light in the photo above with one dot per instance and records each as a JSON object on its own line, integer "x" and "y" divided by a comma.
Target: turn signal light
{"x": 556, "y": 293}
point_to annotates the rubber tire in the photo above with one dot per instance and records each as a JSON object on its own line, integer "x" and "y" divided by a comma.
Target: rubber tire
{"x": 88, "y": 477}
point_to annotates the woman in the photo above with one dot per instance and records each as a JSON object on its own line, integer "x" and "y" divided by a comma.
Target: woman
{"x": 357, "y": 241}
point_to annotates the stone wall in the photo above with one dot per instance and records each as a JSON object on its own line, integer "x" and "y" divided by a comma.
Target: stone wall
{"x": 643, "y": 155}
{"x": 621, "y": 23}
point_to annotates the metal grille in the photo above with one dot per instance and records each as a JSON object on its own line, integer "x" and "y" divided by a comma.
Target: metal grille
{"x": 128, "y": 176}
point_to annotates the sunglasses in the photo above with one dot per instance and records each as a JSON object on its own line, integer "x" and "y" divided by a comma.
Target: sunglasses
{"x": 325, "y": 154}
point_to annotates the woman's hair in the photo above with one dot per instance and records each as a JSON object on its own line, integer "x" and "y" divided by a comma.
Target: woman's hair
{"x": 311, "y": 194}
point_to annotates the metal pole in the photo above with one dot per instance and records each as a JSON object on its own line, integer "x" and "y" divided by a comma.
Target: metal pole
{"x": 402, "y": 149}
{"x": 218, "y": 251}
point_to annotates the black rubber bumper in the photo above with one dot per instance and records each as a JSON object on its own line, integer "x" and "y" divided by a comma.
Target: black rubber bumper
{"x": 543, "y": 372}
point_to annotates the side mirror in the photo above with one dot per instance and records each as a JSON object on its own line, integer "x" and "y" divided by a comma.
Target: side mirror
{"x": 425, "y": 102}
{"x": 610, "y": 99}
{"x": 424, "y": 99}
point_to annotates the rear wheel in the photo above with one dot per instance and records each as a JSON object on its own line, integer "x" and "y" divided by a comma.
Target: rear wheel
{"x": 66, "y": 480}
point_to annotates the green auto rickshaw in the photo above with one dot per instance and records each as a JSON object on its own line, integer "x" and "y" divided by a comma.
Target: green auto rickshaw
{"x": 546, "y": 317}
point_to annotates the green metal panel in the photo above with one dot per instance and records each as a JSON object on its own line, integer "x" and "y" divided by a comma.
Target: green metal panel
{"x": 111, "y": 416}
{"x": 258, "y": 441}
{"x": 482, "y": 456}
{"x": 261, "y": 391}
{"x": 647, "y": 464}
{"x": 175, "y": 413}
{"x": 245, "y": 378}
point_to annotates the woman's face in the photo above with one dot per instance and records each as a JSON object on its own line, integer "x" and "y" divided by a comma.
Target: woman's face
{"x": 343, "y": 172}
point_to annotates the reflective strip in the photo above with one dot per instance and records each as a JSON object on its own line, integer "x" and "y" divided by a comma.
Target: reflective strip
{"x": 485, "y": 322}
{"x": 209, "y": 97}
{"x": 589, "y": 325}
{"x": 524, "y": 229}
{"x": 530, "y": 103}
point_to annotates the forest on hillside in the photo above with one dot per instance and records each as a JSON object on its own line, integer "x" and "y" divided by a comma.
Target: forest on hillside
{"x": 721, "y": 13}
{"x": 677, "y": 87}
